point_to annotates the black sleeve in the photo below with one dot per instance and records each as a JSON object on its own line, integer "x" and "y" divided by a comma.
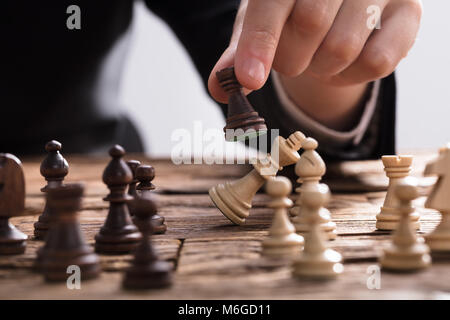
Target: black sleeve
{"x": 205, "y": 26}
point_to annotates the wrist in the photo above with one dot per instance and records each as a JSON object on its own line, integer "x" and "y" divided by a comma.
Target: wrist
{"x": 336, "y": 107}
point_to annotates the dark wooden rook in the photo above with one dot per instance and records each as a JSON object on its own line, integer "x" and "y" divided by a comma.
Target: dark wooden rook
{"x": 12, "y": 203}
{"x": 65, "y": 245}
{"x": 145, "y": 175}
{"x": 118, "y": 234}
{"x": 146, "y": 271}
{"x": 242, "y": 122}
{"x": 53, "y": 168}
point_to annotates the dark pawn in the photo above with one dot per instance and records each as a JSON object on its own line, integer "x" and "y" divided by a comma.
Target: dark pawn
{"x": 12, "y": 203}
{"x": 133, "y": 165}
{"x": 146, "y": 271}
{"x": 243, "y": 122}
{"x": 118, "y": 234}
{"x": 65, "y": 245}
{"x": 54, "y": 168}
{"x": 145, "y": 175}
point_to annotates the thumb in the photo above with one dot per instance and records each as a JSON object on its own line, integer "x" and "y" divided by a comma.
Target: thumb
{"x": 261, "y": 30}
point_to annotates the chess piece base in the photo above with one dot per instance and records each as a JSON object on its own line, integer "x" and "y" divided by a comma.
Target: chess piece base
{"x": 388, "y": 219}
{"x": 328, "y": 228}
{"x": 326, "y": 265}
{"x": 412, "y": 259}
{"x": 438, "y": 241}
{"x": 289, "y": 245}
{"x": 215, "y": 195}
{"x": 12, "y": 241}
{"x": 117, "y": 242}
{"x": 54, "y": 265}
{"x": 158, "y": 222}
{"x": 154, "y": 275}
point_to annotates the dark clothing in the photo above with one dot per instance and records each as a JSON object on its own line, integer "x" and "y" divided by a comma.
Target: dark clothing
{"x": 51, "y": 87}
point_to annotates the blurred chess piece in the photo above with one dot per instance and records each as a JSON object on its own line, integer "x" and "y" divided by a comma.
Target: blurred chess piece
{"x": 316, "y": 260}
{"x": 407, "y": 252}
{"x": 53, "y": 168}
{"x": 397, "y": 169}
{"x": 145, "y": 175}
{"x": 12, "y": 204}
{"x": 65, "y": 245}
{"x": 243, "y": 122}
{"x": 282, "y": 240}
{"x": 234, "y": 199}
{"x": 310, "y": 170}
{"x": 146, "y": 271}
{"x": 133, "y": 165}
{"x": 439, "y": 199}
{"x": 118, "y": 234}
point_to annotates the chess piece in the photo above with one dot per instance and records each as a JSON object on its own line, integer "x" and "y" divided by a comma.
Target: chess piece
{"x": 316, "y": 260}
{"x": 118, "y": 234}
{"x": 439, "y": 199}
{"x": 407, "y": 251}
{"x": 133, "y": 165}
{"x": 12, "y": 203}
{"x": 310, "y": 170}
{"x": 145, "y": 175}
{"x": 53, "y": 168}
{"x": 243, "y": 122}
{"x": 146, "y": 271}
{"x": 65, "y": 245}
{"x": 397, "y": 169}
{"x": 282, "y": 240}
{"x": 234, "y": 199}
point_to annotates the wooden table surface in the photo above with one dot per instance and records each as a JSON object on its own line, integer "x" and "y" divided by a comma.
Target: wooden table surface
{"x": 214, "y": 259}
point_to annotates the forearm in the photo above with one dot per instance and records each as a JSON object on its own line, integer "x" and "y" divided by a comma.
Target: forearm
{"x": 336, "y": 107}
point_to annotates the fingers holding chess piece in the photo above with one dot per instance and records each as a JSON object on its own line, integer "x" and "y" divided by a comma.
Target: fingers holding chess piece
{"x": 310, "y": 170}
{"x": 397, "y": 169}
{"x": 146, "y": 271}
{"x": 282, "y": 240}
{"x": 12, "y": 203}
{"x": 145, "y": 175}
{"x": 234, "y": 199}
{"x": 407, "y": 251}
{"x": 53, "y": 168}
{"x": 65, "y": 245}
{"x": 316, "y": 260}
{"x": 439, "y": 199}
{"x": 118, "y": 234}
{"x": 243, "y": 122}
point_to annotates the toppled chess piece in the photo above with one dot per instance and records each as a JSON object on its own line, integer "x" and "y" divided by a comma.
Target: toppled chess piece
{"x": 316, "y": 260}
{"x": 439, "y": 199}
{"x": 397, "y": 169}
{"x": 12, "y": 203}
{"x": 146, "y": 271}
{"x": 310, "y": 170}
{"x": 145, "y": 175}
{"x": 53, "y": 168}
{"x": 243, "y": 122}
{"x": 118, "y": 234}
{"x": 282, "y": 240}
{"x": 407, "y": 252}
{"x": 65, "y": 245}
{"x": 234, "y": 199}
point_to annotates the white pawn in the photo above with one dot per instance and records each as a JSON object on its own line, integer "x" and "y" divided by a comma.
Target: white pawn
{"x": 282, "y": 240}
{"x": 407, "y": 252}
{"x": 310, "y": 170}
{"x": 397, "y": 169}
{"x": 317, "y": 260}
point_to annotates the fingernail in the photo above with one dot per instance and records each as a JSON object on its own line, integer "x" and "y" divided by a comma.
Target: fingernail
{"x": 255, "y": 69}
